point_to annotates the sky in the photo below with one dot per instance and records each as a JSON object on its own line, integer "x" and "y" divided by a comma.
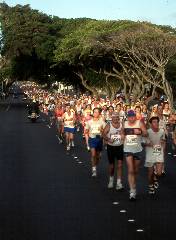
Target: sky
{"x": 156, "y": 11}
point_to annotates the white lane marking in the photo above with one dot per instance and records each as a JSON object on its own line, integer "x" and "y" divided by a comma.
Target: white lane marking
{"x": 123, "y": 211}
{"x": 131, "y": 220}
{"x": 115, "y": 203}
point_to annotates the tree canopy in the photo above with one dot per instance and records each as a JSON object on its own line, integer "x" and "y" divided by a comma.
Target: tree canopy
{"x": 97, "y": 54}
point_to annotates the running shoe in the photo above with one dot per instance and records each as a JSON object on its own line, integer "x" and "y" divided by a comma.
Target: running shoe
{"x": 60, "y": 140}
{"x": 132, "y": 196}
{"x": 72, "y": 144}
{"x": 94, "y": 173}
{"x": 68, "y": 148}
{"x": 151, "y": 189}
{"x": 156, "y": 184}
{"x": 111, "y": 183}
{"x": 119, "y": 186}
{"x": 88, "y": 148}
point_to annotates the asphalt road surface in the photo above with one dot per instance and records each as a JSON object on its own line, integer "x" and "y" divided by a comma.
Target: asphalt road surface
{"x": 47, "y": 194}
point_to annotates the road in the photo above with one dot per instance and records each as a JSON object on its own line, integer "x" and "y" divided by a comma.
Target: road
{"x": 47, "y": 194}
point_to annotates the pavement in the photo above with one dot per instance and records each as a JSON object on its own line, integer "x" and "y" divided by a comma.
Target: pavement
{"x": 48, "y": 194}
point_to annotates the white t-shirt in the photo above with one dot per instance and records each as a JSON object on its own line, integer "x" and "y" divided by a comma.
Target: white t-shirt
{"x": 95, "y": 127}
{"x": 69, "y": 120}
{"x": 156, "y": 153}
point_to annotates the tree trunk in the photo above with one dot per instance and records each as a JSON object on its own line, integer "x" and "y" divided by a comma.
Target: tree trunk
{"x": 89, "y": 88}
{"x": 167, "y": 89}
{"x": 169, "y": 93}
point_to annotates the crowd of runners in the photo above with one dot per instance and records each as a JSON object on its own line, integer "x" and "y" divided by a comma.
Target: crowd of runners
{"x": 128, "y": 132}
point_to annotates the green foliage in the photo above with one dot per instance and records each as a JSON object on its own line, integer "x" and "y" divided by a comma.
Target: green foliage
{"x": 26, "y": 31}
{"x": 5, "y": 72}
{"x": 85, "y": 37}
{"x": 37, "y": 45}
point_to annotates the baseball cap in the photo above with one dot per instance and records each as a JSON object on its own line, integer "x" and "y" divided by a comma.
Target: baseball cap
{"x": 131, "y": 113}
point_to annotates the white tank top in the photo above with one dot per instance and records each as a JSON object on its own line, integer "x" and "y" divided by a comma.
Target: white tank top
{"x": 132, "y": 142}
{"x": 115, "y": 135}
{"x": 68, "y": 120}
{"x": 155, "y": 153}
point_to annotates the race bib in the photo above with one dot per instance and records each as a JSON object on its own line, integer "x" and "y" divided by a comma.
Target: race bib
{"x": 131, "y": 140}
{"x": 96, "y": 130}
{"x": 71, "y": 124}
{"x": 157, "y": 150}
{"x": 116, "y": 138}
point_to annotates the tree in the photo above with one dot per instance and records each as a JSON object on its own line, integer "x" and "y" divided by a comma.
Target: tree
{"x": 142, "y": 52}
{"x": 152, "y": 50}
{"x": 78, "y": 49}
{"x": 28, "y": 41}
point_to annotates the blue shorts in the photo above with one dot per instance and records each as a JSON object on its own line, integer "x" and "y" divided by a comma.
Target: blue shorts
{"x": 136, "y": 156}
{"x": 96, "y": 143}
{"x": 69, "y": 130}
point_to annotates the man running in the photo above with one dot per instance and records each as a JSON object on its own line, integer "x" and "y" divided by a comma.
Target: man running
{"x": 133, "y": 131}
{"x": 59, "y": 121}
{"x": 94, "y": 129}
{"x": 69, "y": 127}
{"x": 114, "y": 137}
{"x": 155, "y": 146}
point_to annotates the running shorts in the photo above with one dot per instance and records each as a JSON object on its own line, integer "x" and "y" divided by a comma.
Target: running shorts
{"x": 96, "y": 143}
{"x": 69, "y": 130}
{"x": 114, "y": 153}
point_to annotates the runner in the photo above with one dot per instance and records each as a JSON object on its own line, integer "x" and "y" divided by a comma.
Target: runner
{"x": 78, "y": 114}
{"x": 94, "y": 129}
{"x": 166, "y": 112}
{"x": 59, "y": 121}
{"x": 154, "y": 111}
{"x": 69, "y": 126}
{"x": 133, "y": 130}
{"x": 155, "y": 146}
{"x": 109, "y": 113}
{"x": 86, "y": 117}
{"x": 114, "y": 138}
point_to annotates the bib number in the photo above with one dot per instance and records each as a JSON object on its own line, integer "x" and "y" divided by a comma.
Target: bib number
{"x": 156, "y": 150}
{"x": 95, "y": 130}
{"x": 131, "y": 140}
{"x": 116, "y": 138}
